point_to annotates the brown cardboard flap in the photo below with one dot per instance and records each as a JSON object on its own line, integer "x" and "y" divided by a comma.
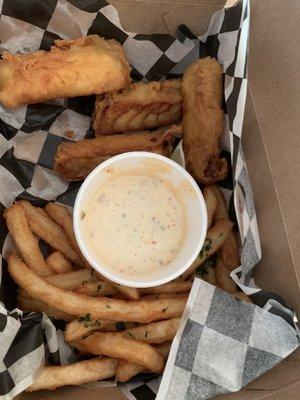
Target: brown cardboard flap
{"x": 276, "y": 271}
{"x": 161, "y": 16}
{"x": 274, "y": 82}
{"x": 76, "y": 393}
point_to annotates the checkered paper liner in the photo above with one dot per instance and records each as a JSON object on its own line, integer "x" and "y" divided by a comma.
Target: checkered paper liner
{"x": 222, "y": 343}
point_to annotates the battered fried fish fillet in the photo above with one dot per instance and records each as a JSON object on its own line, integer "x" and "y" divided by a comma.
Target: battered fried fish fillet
{"x": 203, "y": 120}
{"x": 141, "y": 106}
{"x": 78, "y": 67}
{"x": 74, "y": 161}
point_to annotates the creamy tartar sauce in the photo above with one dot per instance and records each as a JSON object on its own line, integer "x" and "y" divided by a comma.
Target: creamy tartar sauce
{"x": 134, "y": 223}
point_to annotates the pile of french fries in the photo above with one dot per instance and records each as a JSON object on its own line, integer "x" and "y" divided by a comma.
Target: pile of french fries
{"x": 121, "y": 331}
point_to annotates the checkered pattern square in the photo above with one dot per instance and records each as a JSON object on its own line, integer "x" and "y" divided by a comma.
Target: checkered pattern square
{"x": 234, "y": 343}
{"x": 217, "y": 331}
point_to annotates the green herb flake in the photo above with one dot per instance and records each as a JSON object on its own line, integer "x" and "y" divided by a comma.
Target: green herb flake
{"x": 120, "y": 326}
{"x": 164, "y": 309}
{"x": 108, "y": 306}
{"x": 95, "y": 323}
{"x": 201, "y": 271}
{"x": 85, "y": 320}
{"x": 99, "y": 287}
{"x": 88, "y": 322}
{"x": 206, "y": 247}
{"x": 146, "y": 334}
{"x": 82, "y": 214}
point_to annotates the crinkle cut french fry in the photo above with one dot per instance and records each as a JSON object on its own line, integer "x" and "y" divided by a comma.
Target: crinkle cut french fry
{"x": 49, "y": 231}
{"x": 96, "y": 288}
{"x": 78, "y": 373}
{"x": 211, "y": 204}
{"x": 27, "y": 304}
{"x": 214, "y": 240}
{"x": 98, "y": 307}
{"x": 171, "y": 287}
{"x": 71, "y": 280}
{"x": 126, "y": 370}
{"x": 61, "y": 215}
{"x": 26, "y": 242}
{"x": 59, "y": 263}
{"x": 230, "y": 249}
{"x": 155, "y": 332}
{"x": 223, "y": 277}
{"x": 113, "y": 345}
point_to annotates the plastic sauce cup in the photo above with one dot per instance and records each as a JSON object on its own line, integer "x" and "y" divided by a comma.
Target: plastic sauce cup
{"x": 196, "y": 215}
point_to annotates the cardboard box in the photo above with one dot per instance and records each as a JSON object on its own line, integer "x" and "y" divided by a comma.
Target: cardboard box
{"x": 270, "y": 145}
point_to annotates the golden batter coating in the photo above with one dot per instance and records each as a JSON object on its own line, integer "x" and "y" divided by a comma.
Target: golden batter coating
{"x": 141, "y": 106}
{"x": 74, "y": 161}
{"x": 203, "y": 120}
{"x": 78, "y": 67}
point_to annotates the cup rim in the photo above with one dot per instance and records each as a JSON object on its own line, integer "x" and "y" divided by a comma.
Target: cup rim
{"x": 95, "y": 264}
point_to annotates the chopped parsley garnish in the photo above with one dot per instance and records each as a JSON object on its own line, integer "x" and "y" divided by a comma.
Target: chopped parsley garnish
{"x": 206, "y": 247}
{"x": 146, "y": 334}
{"x": 82, "y": 214}
{"x": 99, "y": 287}
{"x": 88, "y": 322}
{"x": 202, "y": 270}
{"x": 85, "y": 318}
{"x": 108, "y": 306}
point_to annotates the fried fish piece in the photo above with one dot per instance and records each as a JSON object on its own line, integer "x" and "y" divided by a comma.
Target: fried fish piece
{"x": 203, "y": 120}
{"x": 78, "y": 67}
{"x": 74, "y": 161}
{"x": 141, "y": 106}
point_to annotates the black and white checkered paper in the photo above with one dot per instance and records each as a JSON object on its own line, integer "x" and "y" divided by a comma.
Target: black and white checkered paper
{"x": 223, "y": 343}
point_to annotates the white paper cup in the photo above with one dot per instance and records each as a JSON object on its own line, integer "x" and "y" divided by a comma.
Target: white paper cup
{"x": 190, "y": 194}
